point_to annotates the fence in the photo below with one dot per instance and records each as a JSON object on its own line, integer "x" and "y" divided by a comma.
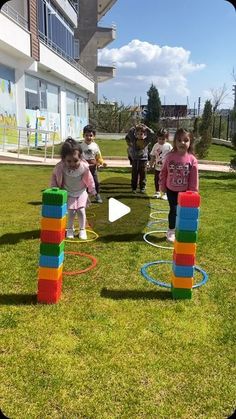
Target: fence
{"x": 28, "y": 141}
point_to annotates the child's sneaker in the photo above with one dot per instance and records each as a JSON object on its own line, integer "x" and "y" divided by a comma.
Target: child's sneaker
{"x": 143, "y": 190}
{"x": 99, "y": 199}
{"x": 164, "y": 196}
{"x": 70, "y": 233}
{"x": 82, "y": 234}
{"x": 170, "y": 235}
{"x": 134, "y": 191}
{"x": 157, "y": 195}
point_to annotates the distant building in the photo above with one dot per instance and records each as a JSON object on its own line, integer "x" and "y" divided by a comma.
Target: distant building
{"x": 173, "y": 111}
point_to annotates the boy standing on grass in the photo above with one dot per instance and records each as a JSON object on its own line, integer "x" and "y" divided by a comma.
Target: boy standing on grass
{"x": 158, "y": 155}
{"x": 92, "y": 154}
{"x": 137, "y": 141}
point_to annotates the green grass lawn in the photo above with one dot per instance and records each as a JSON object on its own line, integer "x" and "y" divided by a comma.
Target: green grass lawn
{"x": 118, "y": 148}
{"x": 116, "y": 346}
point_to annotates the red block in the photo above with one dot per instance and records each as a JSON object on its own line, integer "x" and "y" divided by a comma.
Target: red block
{"x": 189, "y": 199}
{"x": 48, "y": 236}
{"x": 183, "y": 259}
{"x": 49, "y": 292}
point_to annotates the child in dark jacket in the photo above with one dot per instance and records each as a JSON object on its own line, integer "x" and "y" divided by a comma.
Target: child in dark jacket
{"x": 137, "y": 140}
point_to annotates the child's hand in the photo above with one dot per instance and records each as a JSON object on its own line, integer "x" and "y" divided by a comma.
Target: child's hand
{"x": 93, "y": 192}
{"x": 104, "y": 164}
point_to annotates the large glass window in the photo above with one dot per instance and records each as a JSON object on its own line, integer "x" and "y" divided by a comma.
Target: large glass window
{"x": 32, "y": 93}
{"x": 54, "y": 28}
{"x": 53, "y": 98}
{"x": 41, "y": 95}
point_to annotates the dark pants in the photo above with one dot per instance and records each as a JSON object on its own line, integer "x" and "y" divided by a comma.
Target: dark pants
{"x": 156, "y": 179}
{"x": 94, "y": 172}
{"x": 172, "y": 199}
{"x": 139, "y": 170}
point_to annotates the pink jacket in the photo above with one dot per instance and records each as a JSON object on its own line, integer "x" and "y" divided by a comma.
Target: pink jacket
{"x": 58, "y": 181}
{"x": 179, "y": 173}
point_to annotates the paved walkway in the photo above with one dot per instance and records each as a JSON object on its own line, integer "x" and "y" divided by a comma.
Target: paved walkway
{"x": 10, "y": 158}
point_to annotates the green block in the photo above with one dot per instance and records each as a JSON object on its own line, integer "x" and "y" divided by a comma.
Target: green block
{"x": 185, "y": 236}
{"x": 54, "y": 196}
{"x": 50, "y": 249}
{"x": 181, "y": 293}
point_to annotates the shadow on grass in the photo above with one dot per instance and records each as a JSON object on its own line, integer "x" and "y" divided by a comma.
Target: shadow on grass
{"x": 13, "y": 238}
{"x": 18, "y": 299}
{"x": 218, "y": 176}
{"x": 35, "y": 203}
{"x": 135, "y": 294}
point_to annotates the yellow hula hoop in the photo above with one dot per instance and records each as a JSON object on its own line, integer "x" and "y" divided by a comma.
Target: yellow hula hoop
{"x": 95, "y": 237}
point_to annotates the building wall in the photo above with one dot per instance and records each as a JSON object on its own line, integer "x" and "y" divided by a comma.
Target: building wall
{"x": 51, "y": 88}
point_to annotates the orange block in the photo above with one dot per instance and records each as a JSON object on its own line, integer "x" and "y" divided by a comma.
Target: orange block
{"x": 53, "y": 224}
{"x": 50, "y": 273}
{"x": 181, "y": 282}
{"x": 185, "y": 248}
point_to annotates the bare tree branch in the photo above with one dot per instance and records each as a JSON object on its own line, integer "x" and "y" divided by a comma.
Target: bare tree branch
{"x": 218, "y": 96}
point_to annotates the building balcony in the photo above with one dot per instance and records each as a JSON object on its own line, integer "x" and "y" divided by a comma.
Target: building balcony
{"x": 104, "y": 6}
{"x": 105, "y": 36}
{"x": 67, "y": 8}
{"x": 15, "y": 15}
{"x": 104, "y": 73}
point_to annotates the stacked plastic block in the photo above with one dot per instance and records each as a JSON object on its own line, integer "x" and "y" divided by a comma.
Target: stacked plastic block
{"x": 184, "y": 255}
{"x": 53, "y": 224}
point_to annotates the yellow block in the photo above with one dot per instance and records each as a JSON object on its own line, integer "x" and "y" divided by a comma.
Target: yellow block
{"x": 53, "y": 224}
{"x": 50, "y": 273}
{"x": 185, "y": 248}
{"x": 181, "y": 282}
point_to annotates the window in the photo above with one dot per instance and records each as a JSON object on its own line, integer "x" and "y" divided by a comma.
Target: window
{"x": 53, "y": 98}
{"x": 32, "y": 93}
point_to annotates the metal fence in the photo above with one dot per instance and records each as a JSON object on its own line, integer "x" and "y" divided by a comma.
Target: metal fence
{"x": 28, "y": 141}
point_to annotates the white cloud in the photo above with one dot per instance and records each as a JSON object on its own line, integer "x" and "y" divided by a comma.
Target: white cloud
{"x": 140, "y": 63}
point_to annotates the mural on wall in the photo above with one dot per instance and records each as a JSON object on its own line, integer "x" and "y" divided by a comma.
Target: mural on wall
{"x": 48, "y": 121}
{"x": 7, "y": 103}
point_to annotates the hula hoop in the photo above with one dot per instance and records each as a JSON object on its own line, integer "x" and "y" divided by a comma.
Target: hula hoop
{"x": 165, "y": 284}
{"x": 91, "y": 215}
{"x": 84, "y": 241}
{"x": 154, "y": 244}
{"x": 81, "y": 271}
{"x": 156, "y": 212}
{"x": 156, "y": 206}
{"x": 150, "y": 223}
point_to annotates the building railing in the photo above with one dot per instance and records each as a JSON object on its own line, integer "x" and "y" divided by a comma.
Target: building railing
{"x": 29, "y": 140}
{"x": 13, "y": 14}
{"x": 55, "y": 48}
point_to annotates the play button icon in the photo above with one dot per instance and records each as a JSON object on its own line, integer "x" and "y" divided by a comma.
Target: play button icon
{"x": 116, "y": 209}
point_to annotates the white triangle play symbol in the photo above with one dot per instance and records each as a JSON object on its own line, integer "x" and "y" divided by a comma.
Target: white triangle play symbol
{"x": 116, "y": 209}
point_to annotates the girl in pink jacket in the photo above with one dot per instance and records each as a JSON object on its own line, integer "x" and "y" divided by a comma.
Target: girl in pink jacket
{"x": 179, "y": 174}
{"x": 72, "y": 173}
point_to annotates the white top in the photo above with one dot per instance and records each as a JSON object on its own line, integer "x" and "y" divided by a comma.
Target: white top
{"x": 90, "y": 151}
{"x": 73, "y": 181}
{"x": 160, "y": 151}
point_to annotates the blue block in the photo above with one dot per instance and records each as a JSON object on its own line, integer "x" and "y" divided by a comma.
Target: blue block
{"x": 54, "y": 211}
{"x": 51, "y": 261}
{"x": 186, "y": 224}
{"x": 187, "y": 212}
{"x": 180, "y": 270}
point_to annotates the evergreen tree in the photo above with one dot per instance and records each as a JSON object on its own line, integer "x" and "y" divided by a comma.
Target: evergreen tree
{"x": 153, "y": 107}
{"x": 205, "y": 131}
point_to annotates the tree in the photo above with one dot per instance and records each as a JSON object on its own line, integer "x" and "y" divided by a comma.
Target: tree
{"x": 153, "y": 107}
{"x": 218, "y": 97}
{"x": 205, "y": 131}
{"x": 111, "y": 116}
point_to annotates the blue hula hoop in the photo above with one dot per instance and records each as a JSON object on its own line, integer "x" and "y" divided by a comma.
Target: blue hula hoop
{"x": 165, "y": 284}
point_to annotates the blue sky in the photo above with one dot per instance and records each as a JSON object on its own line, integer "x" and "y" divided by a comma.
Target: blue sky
{"x": 187, "y": 48}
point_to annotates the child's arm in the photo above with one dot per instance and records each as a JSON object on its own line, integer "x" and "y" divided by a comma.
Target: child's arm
{"x": 193, "y": 177}
{"x": 99, "y": 159}
{"x": 163, "y": 177}
{"x": 152, "y": 155}
{"x": 89, "y": 181}
{"x": 57, "y": 176}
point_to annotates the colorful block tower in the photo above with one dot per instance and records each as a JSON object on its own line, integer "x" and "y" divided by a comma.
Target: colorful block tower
{"x": 185, "y": 245}
{"x": 53, "y": 225}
